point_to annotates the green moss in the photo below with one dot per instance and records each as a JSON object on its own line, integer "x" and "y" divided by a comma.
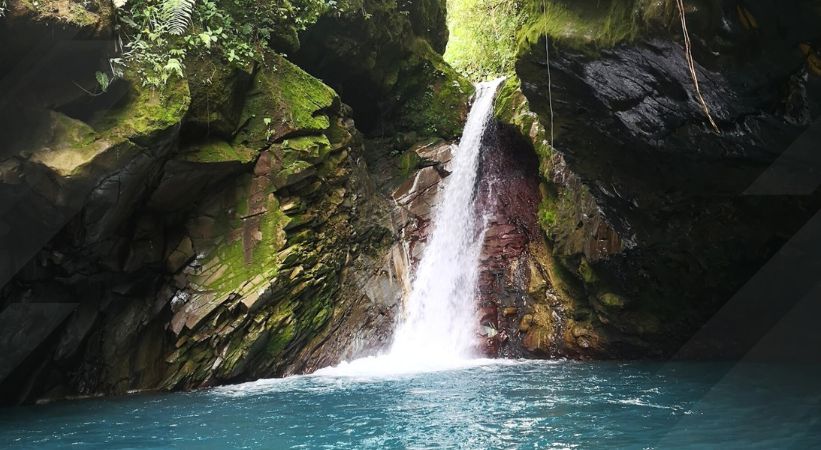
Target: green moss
{"x": 547, "y": 216}
{"x": 587, "y": 273}
{"x": 217, "y": 151}
{"x": 611, "y": 300}
{"x": 434, "y": 97}
{"x": 68, "y": 146}
{"x": 581, "y": 23}
{"x": 513, "y": 108}
{"x": 558, "y": 210}
{"x": 305, "y": 94}
{"x": 408, "y": 162}
{"x": 330, "y": 166}
{"x": 338, "y": 134}
{"x": 589, "y": 25}
{"x": 282, "y": 334}
{"x": 68, "y": 11}
{"x": 290, "y": 172}
{"x": 145, "y": 112}
{"x": 284, "y": 100}
{"x": 305, "y": 148}
{"x": 246, "y": 260}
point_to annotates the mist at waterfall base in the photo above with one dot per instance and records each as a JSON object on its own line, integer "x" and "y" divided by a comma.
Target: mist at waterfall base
{"x": 438, "y": 328}
{"x": 514, "y": 404}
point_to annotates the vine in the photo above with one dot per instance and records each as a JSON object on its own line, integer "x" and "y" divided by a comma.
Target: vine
{"x": 691, "y": 65}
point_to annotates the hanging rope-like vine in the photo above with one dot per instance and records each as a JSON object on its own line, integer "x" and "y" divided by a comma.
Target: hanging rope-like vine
{"x": 691, "y": 65}
{"x": 547, "y": 63}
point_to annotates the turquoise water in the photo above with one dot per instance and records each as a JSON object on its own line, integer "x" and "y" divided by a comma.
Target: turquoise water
{"x": 507, "y": 405}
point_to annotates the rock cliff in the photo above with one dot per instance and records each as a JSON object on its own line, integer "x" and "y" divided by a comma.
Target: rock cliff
{"x": 650, "y": 219}
{"x": 223, "y": 228}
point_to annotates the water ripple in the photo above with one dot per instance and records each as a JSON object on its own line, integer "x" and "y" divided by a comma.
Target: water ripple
{"x": 513, "y": 404}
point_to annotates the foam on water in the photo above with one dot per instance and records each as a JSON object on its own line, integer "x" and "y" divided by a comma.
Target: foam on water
{"x": 391, "y": 364}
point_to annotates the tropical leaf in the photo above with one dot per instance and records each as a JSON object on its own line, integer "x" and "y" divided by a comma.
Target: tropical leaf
{"x": 177, "y": 15}
{"x": 103, "y": 80}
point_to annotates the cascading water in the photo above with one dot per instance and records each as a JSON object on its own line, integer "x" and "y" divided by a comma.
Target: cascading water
{"x": 440, "y": 318}
{"x": 439, "y": 325}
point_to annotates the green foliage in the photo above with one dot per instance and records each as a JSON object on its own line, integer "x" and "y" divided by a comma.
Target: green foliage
{"x": 160, "y": 35}
{"x": 593, "y": 24}
{"x": 483, "y": 40}
{"x": 103, "y": 80}
{"x": 177, "y": 15}
{"x": 485, "y": 35}
{"x": 547, "y": 215}
{"x": 434, "y": 97}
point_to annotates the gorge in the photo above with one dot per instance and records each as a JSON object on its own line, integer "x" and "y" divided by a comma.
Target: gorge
{"x": 321, "y": 223}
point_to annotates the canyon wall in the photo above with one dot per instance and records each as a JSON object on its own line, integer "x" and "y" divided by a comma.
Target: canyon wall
{"x": 226, "y": 227}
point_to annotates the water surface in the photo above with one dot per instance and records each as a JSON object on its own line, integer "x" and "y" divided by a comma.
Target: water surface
{"x": 498, "y": 405}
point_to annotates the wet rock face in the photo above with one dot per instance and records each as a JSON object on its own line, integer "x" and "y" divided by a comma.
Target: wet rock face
{"x": 385, "y": 60}
{"x": 644, "y": 204}
{"x": 417, "y": 196}
{"x": 185, "y": 237}
{"x": 508, "y": 198}
{"x": 208, "y": 233}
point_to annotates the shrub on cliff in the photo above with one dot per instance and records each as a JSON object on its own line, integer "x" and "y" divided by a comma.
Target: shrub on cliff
{"x": 159, "y": 35}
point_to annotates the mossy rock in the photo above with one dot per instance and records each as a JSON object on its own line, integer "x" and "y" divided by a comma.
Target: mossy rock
{"x": 312, "y": 149}
{"x": 611, "y": 300}
{"x": 71, "y": 147}
{"x": 512, "y": 108}
{"x": 217, "y": 96}
{"x": 409, "y": 161}
{"x": 267, "y": 335}
{"x": 591, "y": 25}
{"x": 581, "y": 24}
{"x": 214, "y": 151}
{"x": 144, "y": 113}
{"x": 339, "y": 134}
{"x": 539, "y": 330}
{"x": 93, "y": 17}
{"x": 68, "y": 146}
{"x": 284, "y": 100}
{"x": 433, "y": 96}
{"x": 587, "y": 273}
{"x": 429, "y": 21}
{"x": 240, "y": 247}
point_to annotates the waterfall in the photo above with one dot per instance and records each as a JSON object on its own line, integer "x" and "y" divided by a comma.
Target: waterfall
{"x": 440, "y": 320}
{"x": 438, "y": 328}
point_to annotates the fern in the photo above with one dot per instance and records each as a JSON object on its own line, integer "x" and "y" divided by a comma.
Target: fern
{"x": 177, "y": 15}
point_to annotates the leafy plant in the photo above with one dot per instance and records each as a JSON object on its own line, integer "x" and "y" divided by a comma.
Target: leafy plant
{"x": 269, "y": 131}
{"x": 177, "y": 15}
{"x": 161, "y": 35}
{"x": 483, "y": 39}
{"x": 103, "y": 80}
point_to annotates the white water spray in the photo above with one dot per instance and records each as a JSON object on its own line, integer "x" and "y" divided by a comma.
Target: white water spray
{"x": 438, "y": 330}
